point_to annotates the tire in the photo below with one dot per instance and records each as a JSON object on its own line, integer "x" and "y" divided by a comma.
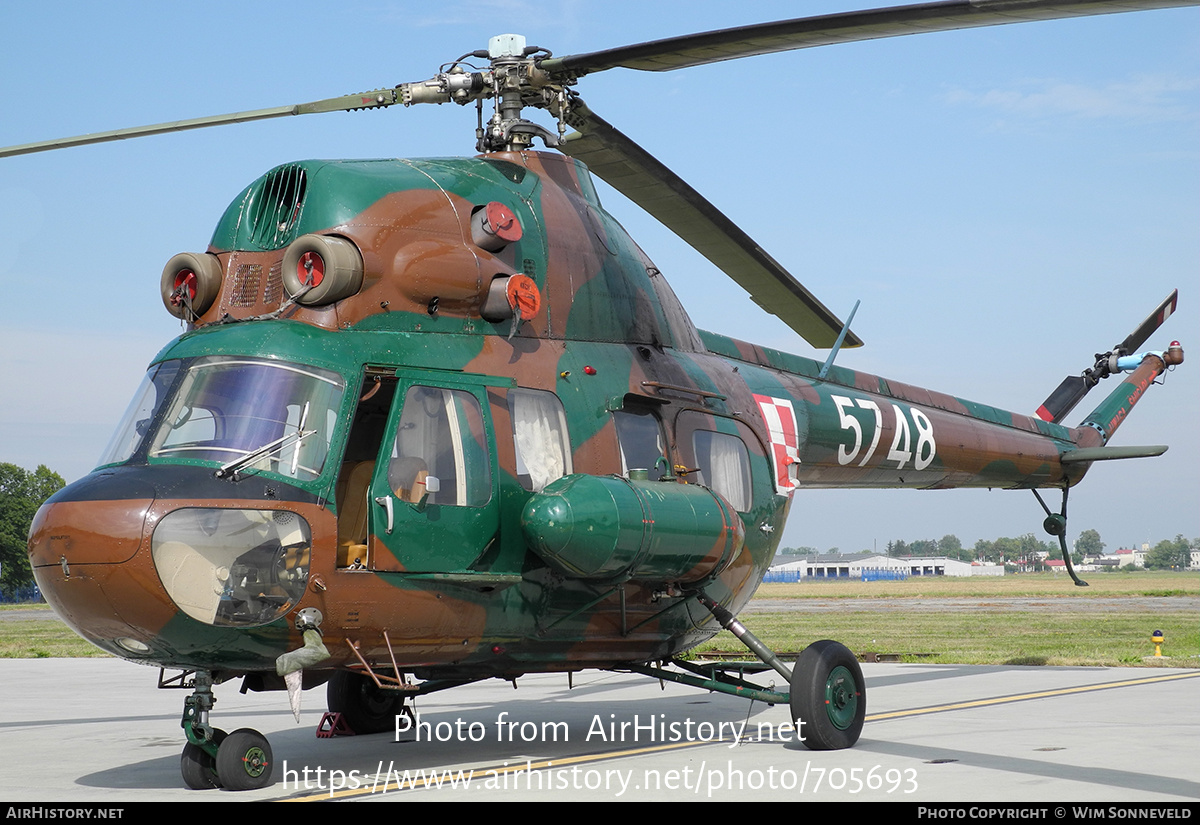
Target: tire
{"x": 829, "y": 696}
{"x": 363, "y": 706}
{"x": 245, "y": 761}
{"x": 199, "y": 770}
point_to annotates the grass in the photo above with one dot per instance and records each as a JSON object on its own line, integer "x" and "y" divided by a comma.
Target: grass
{"x": 43, "y": 636}
{"x": 981, "y": 625}
{"x": 981, "y": 636}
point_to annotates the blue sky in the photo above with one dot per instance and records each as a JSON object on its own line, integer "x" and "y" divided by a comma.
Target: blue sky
{"x": 1005, "y": 201}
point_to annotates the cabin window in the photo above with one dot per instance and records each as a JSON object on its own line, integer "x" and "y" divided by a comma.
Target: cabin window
{"x": 440, "y": 435}
{"x": 643, "y": 445}
{"x": 540, "y": 436}
{"x": 724, "y": 466}
{"x": 716, "y": 452}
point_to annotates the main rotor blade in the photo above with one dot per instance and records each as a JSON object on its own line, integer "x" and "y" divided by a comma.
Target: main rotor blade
{"x": 844, "y": 27}
{"x": 642, "y": 178}
{"x": 367, "y": 100}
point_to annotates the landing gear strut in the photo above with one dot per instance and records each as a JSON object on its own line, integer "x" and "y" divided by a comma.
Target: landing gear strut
{"x": 828, "y": 694}
{"x": 211, "y": 759}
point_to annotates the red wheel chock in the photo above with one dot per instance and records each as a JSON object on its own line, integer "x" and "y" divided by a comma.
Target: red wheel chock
{"x": 332, "y": 724}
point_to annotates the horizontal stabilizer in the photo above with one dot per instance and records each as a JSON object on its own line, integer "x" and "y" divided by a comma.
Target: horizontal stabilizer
{"x": 1111, "y": 453}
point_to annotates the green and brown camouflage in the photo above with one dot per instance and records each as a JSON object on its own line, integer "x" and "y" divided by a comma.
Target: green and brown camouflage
{"x": 599, "y": 463}
{"x": 449, "y": 414}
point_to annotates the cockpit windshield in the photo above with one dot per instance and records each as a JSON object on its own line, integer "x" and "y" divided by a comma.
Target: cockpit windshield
{"x": 244, "y": 413}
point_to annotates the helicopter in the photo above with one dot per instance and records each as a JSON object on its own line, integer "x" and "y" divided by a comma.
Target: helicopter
{"x": 484, "y": 484}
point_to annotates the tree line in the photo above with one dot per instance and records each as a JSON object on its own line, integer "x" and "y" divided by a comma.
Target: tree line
{"x": 21, "y": 494}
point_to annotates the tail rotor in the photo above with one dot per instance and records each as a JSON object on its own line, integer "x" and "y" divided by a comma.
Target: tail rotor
{"x": 1074, "y": 387}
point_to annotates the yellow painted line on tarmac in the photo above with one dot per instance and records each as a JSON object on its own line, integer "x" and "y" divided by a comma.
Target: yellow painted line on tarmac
{"x": 1021, "y": 697}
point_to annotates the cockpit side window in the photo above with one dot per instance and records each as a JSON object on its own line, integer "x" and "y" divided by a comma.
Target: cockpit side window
{"x": 136, "y": 423}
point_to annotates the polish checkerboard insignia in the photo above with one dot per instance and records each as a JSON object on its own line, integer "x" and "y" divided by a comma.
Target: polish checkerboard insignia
{"x": 780, "y": 418}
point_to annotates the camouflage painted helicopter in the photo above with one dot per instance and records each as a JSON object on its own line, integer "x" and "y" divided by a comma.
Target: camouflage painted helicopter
{"x": 439, "y": 421}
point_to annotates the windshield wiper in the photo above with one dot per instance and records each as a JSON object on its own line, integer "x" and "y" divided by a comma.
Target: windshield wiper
{"x": 268, "y": 449}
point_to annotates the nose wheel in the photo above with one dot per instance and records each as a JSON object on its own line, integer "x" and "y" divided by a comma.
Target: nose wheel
{"x": 239, "y": 761}
{"x": 198, "y": 766}
{"x": 244, "y": 761}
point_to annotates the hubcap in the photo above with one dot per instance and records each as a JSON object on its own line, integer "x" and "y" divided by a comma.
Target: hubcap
{"x": 841, "y": 698}
{"x": 255, "y": 762}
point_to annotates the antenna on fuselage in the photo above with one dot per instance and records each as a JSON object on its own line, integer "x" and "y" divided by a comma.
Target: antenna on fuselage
{"x": 837, "y": 345}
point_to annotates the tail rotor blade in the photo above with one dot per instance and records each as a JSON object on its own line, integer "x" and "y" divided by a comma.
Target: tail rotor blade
{"x": 1060, "y": 402}
{"x": 1148, "y": 327}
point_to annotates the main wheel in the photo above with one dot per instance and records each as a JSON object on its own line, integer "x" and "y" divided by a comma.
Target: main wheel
{"x": 365, "y": 707}
{"x": 199, "y": 770}
{"x": 829, "y": 696}
{"x": 244, "y": 761}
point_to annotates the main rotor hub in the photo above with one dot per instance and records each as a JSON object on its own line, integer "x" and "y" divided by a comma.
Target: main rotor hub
{"x": 512, "y": 81}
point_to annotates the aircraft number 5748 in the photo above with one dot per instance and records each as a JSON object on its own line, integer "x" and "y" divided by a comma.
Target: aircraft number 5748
{"x": 903, "y": 450}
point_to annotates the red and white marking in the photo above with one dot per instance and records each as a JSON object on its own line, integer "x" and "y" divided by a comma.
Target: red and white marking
{"x": 780, "y": 418}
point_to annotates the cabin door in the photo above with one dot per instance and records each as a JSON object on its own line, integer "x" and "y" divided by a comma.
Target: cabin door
{"x": 433, "y": 501}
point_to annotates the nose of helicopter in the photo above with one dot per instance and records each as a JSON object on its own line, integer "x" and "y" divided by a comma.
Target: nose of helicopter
{"x": 84, "y": 550}
{"x": 146, "y": 564}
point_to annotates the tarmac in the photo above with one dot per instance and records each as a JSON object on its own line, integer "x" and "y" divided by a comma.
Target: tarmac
{"x": 97, "y": 731}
